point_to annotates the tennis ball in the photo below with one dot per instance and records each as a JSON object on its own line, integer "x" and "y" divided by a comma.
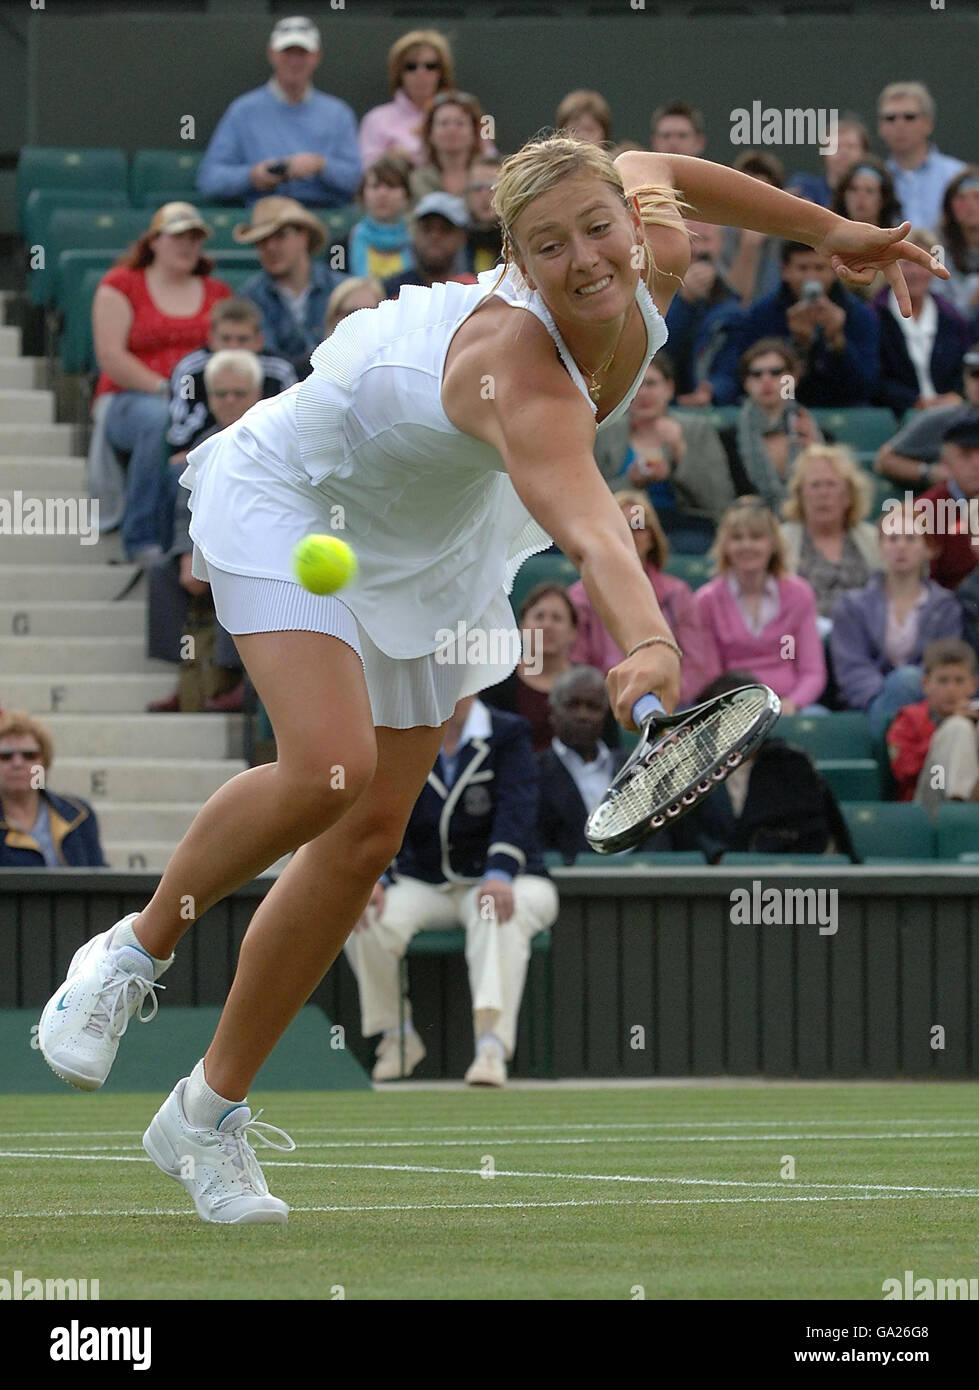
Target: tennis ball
{"x": 323, "y": 564}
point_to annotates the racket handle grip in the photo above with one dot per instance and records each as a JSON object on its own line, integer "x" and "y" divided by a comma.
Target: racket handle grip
{"x": 644, "y": 708}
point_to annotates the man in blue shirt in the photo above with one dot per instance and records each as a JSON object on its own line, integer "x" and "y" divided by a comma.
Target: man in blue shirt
{"x": 921, "y": 173}
{"x": 835, "y": 333}
{"x": 292, "y": 288}
{"x": 285, "y": 136}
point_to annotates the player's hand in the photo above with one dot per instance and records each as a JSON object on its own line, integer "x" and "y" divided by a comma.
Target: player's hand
{"x": 652, "y": 670}
{"x": 857, "y": 251}
{"x": 494, "y": 898}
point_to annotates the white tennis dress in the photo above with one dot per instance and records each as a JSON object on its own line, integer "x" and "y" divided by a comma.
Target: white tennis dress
{"x": 363, "y": 449}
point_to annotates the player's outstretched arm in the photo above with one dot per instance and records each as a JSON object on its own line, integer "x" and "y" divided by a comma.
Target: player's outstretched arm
{"x": 857, "y": 251}
{"x": 547, "y": 440}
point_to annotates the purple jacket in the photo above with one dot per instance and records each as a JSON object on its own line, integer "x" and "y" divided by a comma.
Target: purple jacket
{"x": 859, "y": 630}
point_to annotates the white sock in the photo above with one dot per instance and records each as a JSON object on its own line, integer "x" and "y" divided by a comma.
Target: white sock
{"x": 204, "y": 1108}
{"x": 125, "y": 936}
{"x": 490, "y": 1040}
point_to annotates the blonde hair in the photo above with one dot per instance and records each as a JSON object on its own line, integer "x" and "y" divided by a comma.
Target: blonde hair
{"x": 19, "y": 722}
{"x": 546, "y": 161}
{"x": 659, "y": 551}
{"x": 845, "y": 466}
{"x": 343, "y": 291}
{"x": 751, "y": 514}
{"x": 399, "y": 50}
{"x": 917, "y": 91}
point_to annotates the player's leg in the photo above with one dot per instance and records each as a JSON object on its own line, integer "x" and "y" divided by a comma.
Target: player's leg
{"x": 314, "y": 689}
{"x": 301, "y": 924}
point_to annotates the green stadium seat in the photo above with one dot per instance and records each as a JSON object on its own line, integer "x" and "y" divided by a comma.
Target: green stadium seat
{"x": 82, "y": 229}
{"x": 163, "y": 176}
{"x": 971, "y": 858}
{"x": 957, "y": 829}
{"x": 43, "y": 203}
{"x": 234, "y": 277}
{"x": 338, "y": 221}
{"x": 842, "y": 735}
{"x": 72, "y": 266}
{"x": 692, "y": 569}
{"x": 77, "y": 349}
{"x": 863, "y": 427}
{"x": 717, "y": 415}
{"x": 893, "y": 829}
{"x": 539, "y": 569}
{"x": 50, "y": 166}
{"x": 748, "y": 859}
{"x": 222, "y": 220}
{"x": 851, "y": 779}
{"x": 640, "y": 859}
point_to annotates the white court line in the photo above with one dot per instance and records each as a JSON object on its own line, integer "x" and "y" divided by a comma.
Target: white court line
{"x": 502, "y": 1129}
{"x": 491, "y": 1206}
{"x": 522, "y": 1173}
{"x": 490, "y": 1138}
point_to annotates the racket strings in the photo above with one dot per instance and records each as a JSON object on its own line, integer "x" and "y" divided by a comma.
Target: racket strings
{"x": 680, "y": 762}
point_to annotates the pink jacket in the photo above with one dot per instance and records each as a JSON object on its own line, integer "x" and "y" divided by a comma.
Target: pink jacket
{"x": 595, "y": 646}
{"x": 795, "y": 670}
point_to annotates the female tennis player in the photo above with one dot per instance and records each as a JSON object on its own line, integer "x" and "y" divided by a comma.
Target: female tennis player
{"x": 447, "y": 436}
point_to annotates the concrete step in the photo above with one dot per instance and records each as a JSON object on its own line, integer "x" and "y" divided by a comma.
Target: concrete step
{"x": 47, "y": 582}
{"x": 69, "y": 656}
{"x": 51, "y": 618}
{"x": 85, "y": 694}
{"x": 23, "y": 374}
{"x": 9, "y": 341}
{"x": 37, "y": 472}
{"x": 155, "y": 855}
{"x": 26, "y": 407}
{"x": 143, "y": 779}
{"x": 208, "y": 736}
{"x": 153, "y": 820}
{"x": 60, "y": 550}
{"x": 36, "y": 439}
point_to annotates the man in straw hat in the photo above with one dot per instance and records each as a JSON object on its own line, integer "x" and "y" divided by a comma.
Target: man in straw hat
{"x": 285, "y": 135}
{"x": 292, "y": 288}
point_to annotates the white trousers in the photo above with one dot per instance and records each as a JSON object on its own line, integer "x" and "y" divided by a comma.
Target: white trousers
{"x": 953, "y": 748}
{"x": 497, "y": 953}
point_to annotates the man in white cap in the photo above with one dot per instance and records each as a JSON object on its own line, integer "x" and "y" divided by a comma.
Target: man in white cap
{"x": 285, "y": 136}
{"x": 439, "y": 225}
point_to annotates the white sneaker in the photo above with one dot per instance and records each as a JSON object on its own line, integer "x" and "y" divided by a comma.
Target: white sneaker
{"x": 217, "y": 1166}
{"x": 82, "y": 1022}
{"x": 387, "y": 1066}
{"x": 488, "y": 1067}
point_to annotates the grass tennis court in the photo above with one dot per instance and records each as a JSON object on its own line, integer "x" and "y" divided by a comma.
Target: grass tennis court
{"x": 595, "y": 1192}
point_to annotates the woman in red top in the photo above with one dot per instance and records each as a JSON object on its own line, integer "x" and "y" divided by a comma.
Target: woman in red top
{"x": 150, "y": 310}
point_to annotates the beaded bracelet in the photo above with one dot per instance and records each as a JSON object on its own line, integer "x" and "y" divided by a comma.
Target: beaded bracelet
{"x": 667, "y": 642}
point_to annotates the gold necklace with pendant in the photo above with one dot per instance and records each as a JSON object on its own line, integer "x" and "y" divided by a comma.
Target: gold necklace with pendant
{"x": 595, "y": 390}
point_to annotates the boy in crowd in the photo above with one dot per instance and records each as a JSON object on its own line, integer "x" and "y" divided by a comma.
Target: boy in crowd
{"x": 933, "y": 744}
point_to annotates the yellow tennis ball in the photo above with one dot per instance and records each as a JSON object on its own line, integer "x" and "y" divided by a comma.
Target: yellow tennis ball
{"x": 324, "y": 564}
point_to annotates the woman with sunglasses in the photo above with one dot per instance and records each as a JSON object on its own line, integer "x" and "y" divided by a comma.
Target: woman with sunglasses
{"x": 451, "y": 434}
{"x": 37, "y": 828}
{"x": 771, "y": 429}
{"x": 419, "y": 64}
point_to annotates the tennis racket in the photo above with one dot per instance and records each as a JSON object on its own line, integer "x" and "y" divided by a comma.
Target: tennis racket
{"x": 679, "y": 759}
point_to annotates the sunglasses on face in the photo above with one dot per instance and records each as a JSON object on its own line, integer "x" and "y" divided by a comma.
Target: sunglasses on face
{"x": 429, "y": 67}
{"x": 7, "y": 755}
{"x": 901, "y": 116}
{"x": 765, "y": 371}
